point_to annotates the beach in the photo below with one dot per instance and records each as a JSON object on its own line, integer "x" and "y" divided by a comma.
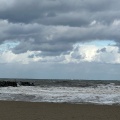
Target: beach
{"x": 11, "y": 110}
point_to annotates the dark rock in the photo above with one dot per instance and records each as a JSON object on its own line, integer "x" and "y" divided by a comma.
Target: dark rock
{"x": 8, "y": 83}
{"x": 26, "y": 84}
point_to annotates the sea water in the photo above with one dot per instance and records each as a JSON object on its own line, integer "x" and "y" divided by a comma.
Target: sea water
{"x": 65, "y": 91}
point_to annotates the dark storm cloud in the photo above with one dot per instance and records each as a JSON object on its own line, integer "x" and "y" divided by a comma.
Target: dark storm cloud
{"x": 46, "y": 48}
{"x": 54, "y": 39}
{"x": 54, "y": 26}
{"x": 61, "y": 12}
{"x": 29, "y": 10}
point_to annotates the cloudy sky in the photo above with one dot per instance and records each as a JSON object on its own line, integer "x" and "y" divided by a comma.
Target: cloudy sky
{"x": 64, "y": 39}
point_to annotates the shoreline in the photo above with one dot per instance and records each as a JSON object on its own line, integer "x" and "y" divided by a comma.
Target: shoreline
{"x": 70, "y": 103}
{"x": 20, "y": 110}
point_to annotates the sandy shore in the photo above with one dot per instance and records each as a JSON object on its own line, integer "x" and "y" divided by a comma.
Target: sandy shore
{"x": 54, "y": 111}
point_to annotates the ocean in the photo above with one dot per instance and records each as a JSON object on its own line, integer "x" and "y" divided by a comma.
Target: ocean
{"x": 69, "y": 91}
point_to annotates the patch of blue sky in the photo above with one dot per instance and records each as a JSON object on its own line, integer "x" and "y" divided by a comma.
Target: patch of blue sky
{"x": 7, "y": 46}
{"x": 98, "y": 43}
{"x": 101, "y": 43}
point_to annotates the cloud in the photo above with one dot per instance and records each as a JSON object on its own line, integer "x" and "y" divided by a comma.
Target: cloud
{"x": 79, "y": 53}
{"x": 60, "y": 12}
{"x": 101, "y": 50}
{"x": 49, "y": 36}
{"x": 54, "y": 40}
{"x": 53, "y": 27}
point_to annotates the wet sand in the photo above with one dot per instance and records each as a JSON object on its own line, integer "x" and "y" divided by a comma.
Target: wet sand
{"x": 57, "y": 111}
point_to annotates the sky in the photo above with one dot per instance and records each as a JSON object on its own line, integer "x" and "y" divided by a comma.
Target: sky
{"x": 60, "y": 39}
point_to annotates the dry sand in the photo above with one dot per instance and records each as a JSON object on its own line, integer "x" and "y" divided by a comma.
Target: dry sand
{"x": 55, "y": 111}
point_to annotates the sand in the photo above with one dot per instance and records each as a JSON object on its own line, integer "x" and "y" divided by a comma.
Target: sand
{"x": 57, "y": 111}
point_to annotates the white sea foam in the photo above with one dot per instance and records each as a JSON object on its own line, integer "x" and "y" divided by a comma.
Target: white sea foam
{"x": 103, "y": 94}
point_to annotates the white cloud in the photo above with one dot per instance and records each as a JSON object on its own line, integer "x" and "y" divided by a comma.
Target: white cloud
{"x": 110, "y": 56}
{"x": 89, "y": 53}
{"x": 79, "y": 53}
{"x": 10, "y": 57}
{"x": 7, "y": 57}
{"x": 116, "y": 22}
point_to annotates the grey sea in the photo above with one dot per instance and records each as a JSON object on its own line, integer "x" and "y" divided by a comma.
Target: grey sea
{"x": 60, "y": 91}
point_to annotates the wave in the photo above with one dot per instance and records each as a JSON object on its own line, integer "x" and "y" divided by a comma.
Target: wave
{"x": 102, "y": 94}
